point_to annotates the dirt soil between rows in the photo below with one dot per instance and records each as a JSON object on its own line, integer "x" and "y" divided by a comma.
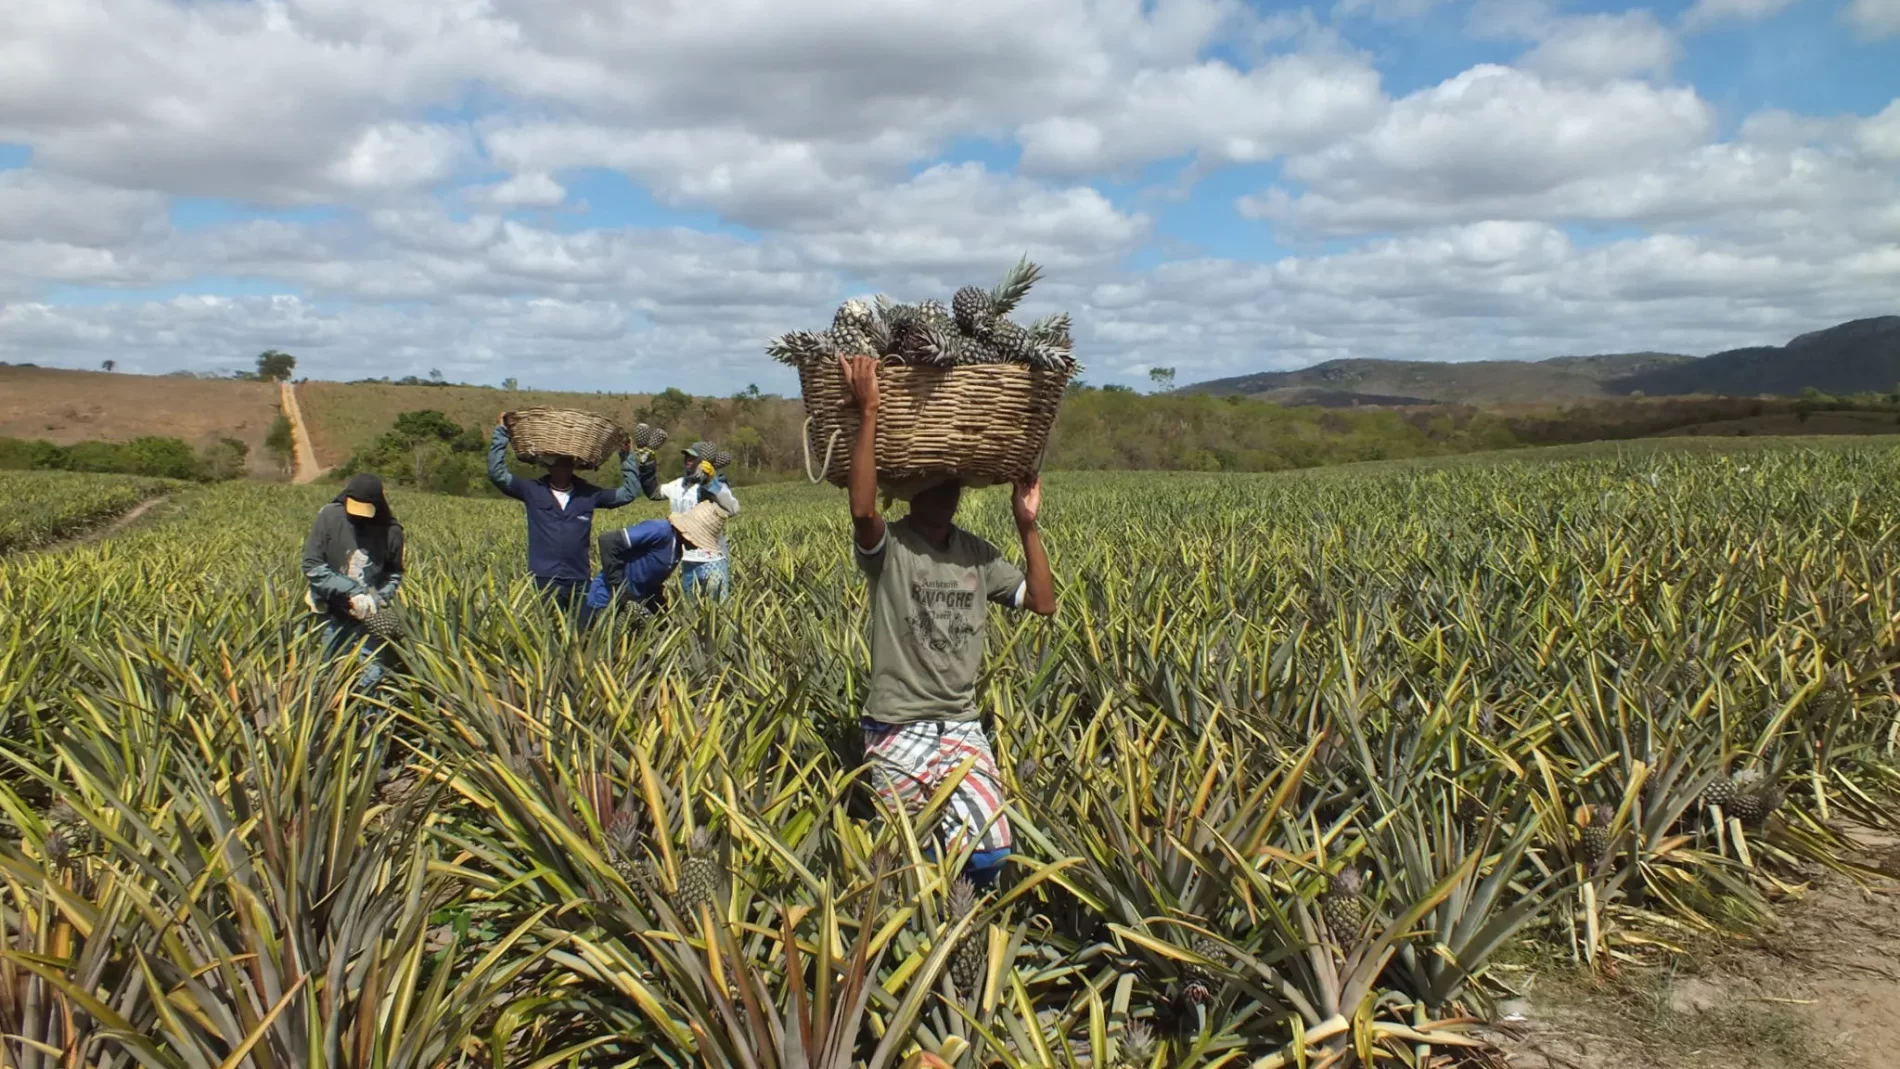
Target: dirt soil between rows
{"x": 111, "y": 527}
{"x": 1820, "y": 989}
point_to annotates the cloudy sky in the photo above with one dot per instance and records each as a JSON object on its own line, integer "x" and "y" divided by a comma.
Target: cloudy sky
{"x": 629, "y": 194}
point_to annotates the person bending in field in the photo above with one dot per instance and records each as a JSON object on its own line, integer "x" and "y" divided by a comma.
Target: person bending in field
{"x": 635, "y": 562}
{"x": 930, "y": 582}
{"x": 707, "y": 569}
{"x": 352, "y": 561}
{"x": 560, "y": 511}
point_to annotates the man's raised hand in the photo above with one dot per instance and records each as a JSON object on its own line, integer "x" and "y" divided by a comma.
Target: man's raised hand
{"x": 1026, "y": 502}
{"x": 860, "y": 377}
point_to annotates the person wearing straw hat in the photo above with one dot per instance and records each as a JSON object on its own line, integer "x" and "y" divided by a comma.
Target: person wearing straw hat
{"x": 352, "y": 563}
{"x": 707, "y": 569}
{"x": 931, "y": 582}
{"x": 636, "y": 561}
{"x": 560, "y": 509}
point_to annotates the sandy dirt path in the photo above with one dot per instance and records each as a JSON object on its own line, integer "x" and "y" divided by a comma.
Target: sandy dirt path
{"x": 307, "y": 469}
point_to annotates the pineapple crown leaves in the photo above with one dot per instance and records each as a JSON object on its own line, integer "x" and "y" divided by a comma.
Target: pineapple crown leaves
{"x": 1601, "y": 815}
{"x": 1347, "y": 882}
{"x": 1138, "y": 1044}
{"x": 701, "y": 843}
{"x": 1014, "y": 287}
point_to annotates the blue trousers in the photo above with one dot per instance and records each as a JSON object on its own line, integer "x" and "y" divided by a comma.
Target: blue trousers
{"x": 711, "y": 579}
{"x": 342, "y": 635}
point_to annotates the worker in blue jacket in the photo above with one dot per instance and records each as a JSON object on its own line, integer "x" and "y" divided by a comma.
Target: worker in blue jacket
{"x": 560, "y": 510}
{"x": 636, "y": 561}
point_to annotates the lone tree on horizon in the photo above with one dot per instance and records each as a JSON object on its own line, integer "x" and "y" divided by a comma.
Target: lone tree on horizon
{"x": 109, "y": 364}
{"x": 275, "y": 365}
{"x": 1162, "y": 377}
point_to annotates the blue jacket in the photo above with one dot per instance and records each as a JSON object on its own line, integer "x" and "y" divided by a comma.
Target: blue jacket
{"x": 636, "y": 561}
{"x": 558, "y": 537}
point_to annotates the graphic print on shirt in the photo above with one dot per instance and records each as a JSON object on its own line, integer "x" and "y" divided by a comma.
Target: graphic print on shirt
{"x": 942, "y": 619}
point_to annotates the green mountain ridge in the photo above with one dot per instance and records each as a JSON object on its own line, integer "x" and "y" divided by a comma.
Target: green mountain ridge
{"x": 1859, "y": 356}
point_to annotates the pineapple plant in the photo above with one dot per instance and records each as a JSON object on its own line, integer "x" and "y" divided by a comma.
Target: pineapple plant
{"x": 969, "y": 962}
{"x": 699, "y": 874}
{"x": 1342, "y": 905}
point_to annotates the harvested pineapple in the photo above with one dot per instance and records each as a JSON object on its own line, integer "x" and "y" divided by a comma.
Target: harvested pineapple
{"x": 974, "y": 329}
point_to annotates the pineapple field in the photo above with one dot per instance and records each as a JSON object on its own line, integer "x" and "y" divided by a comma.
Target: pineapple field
{"x": 42, "y": 507}
{"x": 1302, "y": 761}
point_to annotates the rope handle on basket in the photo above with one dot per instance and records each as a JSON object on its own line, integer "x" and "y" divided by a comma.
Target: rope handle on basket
{"x": 804, "y": 439}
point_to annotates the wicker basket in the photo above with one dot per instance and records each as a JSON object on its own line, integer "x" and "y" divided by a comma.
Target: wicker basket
{"x": 539, "y": 433}
{"x": 984, "y": 424}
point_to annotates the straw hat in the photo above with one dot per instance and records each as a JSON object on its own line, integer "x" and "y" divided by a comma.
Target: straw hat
{"x": 703, "y": 524}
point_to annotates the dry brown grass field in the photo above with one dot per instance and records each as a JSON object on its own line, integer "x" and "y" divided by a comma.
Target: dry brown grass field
{"x": 343, "y": 416}
{"x": 64, "y": 407}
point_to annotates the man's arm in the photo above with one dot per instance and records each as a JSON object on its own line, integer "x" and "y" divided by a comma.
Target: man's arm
{"x": 613, "y": 555}
{"x": 498, "y": 472}
{"x": 723, "y": 494}
{"x": 639, "y": 477}
{"x": 1039, "y": 583}
{"x": 867, "y": 524}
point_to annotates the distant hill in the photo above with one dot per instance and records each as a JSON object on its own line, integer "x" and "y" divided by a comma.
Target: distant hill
{"x": 65, "y": 407}
{"x": 1856, "y": 357}
{"x": 1477, "y": 382}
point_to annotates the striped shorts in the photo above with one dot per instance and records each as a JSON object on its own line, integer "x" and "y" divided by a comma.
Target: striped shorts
{"x": 910, "y": 761}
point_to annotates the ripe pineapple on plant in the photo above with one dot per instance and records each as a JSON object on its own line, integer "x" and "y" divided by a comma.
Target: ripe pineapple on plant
{"x": 1198, "y": 983}
{"x": 1754, "y": 797}
{"x": 1720, "y": 794}
{"x": 623, "y": 848}
{"x": 699, "y": 874}
{"x": 1342, "y": 906}
{"x": 969, "y": 962}
{"x": 1594, "y": 836}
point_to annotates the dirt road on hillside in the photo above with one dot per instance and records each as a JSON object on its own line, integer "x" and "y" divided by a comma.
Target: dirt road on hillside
{"x": 307, "y": 469}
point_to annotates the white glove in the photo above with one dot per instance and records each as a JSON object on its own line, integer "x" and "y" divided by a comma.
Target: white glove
{"x": 362, "y": 605}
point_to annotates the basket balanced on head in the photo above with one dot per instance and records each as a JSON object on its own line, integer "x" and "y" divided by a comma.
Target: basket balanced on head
{"x": 966, "y": 392}
{"x": 543, "y": 433}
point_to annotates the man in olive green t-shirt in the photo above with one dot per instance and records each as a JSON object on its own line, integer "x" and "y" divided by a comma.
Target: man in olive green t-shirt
{"x": 931, "y": 585}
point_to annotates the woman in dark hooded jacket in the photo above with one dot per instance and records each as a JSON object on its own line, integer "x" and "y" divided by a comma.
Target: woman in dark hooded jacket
{"x": 353, "y": 563}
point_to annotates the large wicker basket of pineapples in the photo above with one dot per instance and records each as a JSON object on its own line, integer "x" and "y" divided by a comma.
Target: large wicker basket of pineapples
{"x": 965, "y": 391}
{"x": 543, "y": 433}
